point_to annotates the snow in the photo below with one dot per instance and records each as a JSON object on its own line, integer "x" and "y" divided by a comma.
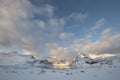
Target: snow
{"x": 36, "y": 73}
{"x": 17, "y": 67}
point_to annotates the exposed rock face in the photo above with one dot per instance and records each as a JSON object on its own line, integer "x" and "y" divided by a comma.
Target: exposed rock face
{"x": 39, "y": 63}
{"x": 42, "y": 63}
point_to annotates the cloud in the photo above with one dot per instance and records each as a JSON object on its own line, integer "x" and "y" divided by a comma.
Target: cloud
{"x": 107, "y": 44}
{"x": 65, "y": 35}
{"x": 25, "y": 52}
{"x": 60, "y": 52}
{"x": 29, "y": 27}
{"x": 56, "y": 22}
{"x": 40, "y": 23}
{"x": 106, "y": 33}
{"x": 16, "y": 24}
{"x": 46, "y": 11}
{"x": 78, "y": 16}
{"x": 19, "y": 27}
{"x": 98, "y": 24}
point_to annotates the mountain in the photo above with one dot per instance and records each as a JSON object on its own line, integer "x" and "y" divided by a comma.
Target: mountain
{"x": 12, "y": 58}
{"x": 39, "y": 63}
{"x": 83, "y": 60}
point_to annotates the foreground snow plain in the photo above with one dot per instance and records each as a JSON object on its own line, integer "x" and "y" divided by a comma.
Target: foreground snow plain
{"x": 28, "y": 72}
{"x": 36, "y": 73}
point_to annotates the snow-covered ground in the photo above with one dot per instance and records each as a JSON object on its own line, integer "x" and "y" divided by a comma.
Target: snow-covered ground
{"x": 36, "y": 73}
{"x": 102, "y": 69}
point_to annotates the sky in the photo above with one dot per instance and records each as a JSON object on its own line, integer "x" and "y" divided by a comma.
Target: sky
{"x": 60, "y": 28}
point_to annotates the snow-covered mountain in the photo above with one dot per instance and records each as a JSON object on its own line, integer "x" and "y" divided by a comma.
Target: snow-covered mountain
{"x": 82, "y": 60}
{"x": 17, "y": 66}
{"x": 14, "y": 58}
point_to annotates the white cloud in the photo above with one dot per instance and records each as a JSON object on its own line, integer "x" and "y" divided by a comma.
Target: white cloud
{"x": 55, "y": 22}
{"x": 106, "y": 33}
{"x": 78, "y": 16}
{"x": 110, "y": 44}
{"x": 15, "y": 24}
{"x": 65, "y": 35}
{"x": 25, "y": 52}
{"x": 40, "y": 23}
{"x": 60, "y": 52}
{"x": 45, "y": 10}
{"x": 98, "y": 24}
{"x": 19, "y": 28}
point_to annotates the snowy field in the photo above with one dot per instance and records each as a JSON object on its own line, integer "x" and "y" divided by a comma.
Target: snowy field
{"x": 36, "y": 73}
{"x": 25, "y": 71}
